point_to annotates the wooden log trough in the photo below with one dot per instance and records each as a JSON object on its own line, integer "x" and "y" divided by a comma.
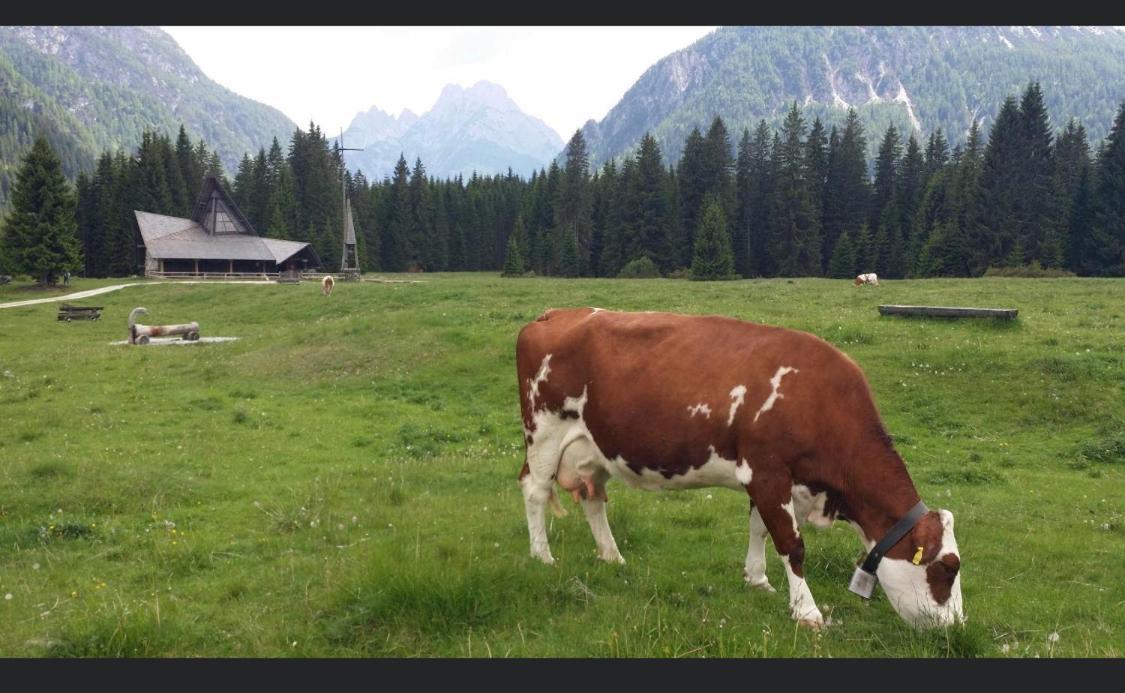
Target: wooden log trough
{"x": 949, "y": 312}
{"x": 141, "y": 334}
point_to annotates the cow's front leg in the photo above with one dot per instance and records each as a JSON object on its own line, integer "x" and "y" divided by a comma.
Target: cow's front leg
{"x": 594, "y": 506}
{"x": 755, "y": 571}
{"x": 776, "y": 508}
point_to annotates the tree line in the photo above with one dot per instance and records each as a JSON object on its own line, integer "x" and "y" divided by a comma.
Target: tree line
{"x": 799, "y": 201}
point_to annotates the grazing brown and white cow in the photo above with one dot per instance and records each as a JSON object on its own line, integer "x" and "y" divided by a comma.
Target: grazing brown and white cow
{"x": 326, "y": 285}
{"x": 666, "y": 401}
{"x": 869, "y": 278}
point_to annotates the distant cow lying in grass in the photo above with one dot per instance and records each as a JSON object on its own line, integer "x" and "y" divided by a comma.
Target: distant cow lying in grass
{"x": 871, "y": 278}
{"x": 326, "y": 285}
{"x": 666, "y": 401}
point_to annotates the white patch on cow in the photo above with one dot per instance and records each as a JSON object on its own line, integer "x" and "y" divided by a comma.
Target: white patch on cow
{"x": 738, "y": 394}
{"x": 743, "y": 473}
{"x": 775, "y": 394}
{"x": 809, "y": 506}
{"x": 909, "y": 592}
{"x": 788, "y": 507}
{"x": 541, "y": 376}
{"x": 596, "y": 310}
{"x": 801, "y": 604}
{"x": 715, "y": 471}
{"x": 700, "y": 408}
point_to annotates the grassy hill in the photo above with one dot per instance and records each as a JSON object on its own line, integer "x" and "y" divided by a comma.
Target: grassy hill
{"x": 341, "y": 480}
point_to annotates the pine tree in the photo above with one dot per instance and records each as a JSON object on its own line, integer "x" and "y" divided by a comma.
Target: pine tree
{"x": 1040, "y": 219}
{"x": 712, "y": 257}
{"x": 816, "y": 162}
{"x": 1072, "y": 157}
{"x": 1106, "y": 253}
{"x": 513, "y": 258}
{"x": 614, "y": 189}
{"x": 646, "y": 220}
{"x": 693, "y": 185}
{"x": 842, "y": 264}
{"x": 740, "y": 234}
{"x": 847, "y": 189}
{"x": 996, "y": 226}
{"x": 395, "y": 241}
{"x": 796, "y": 231}
{"x": 568, "y": 255}
{"x": 575, "y": 200}
{"x": 421, "y": 229}
{"x": 39, "y": 234}
{"x": 760, "y": 202}
{"x": 718, "y": 176}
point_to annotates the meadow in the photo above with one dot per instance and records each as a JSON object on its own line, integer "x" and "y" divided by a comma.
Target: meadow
{"x": 341, "y": 480}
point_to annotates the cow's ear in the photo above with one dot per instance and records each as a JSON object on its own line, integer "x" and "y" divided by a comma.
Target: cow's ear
{"x": 927, "y": 534}
{"x": 946, "y": 519}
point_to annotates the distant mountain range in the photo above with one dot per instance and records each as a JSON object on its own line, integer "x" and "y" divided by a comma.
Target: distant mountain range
{"x": 476, "y": 129}
{"x": 919, "y": 78}
{"x": 91, "y": 88}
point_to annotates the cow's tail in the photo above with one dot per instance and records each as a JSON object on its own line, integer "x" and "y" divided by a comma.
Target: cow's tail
{"x": 556, "y": 507}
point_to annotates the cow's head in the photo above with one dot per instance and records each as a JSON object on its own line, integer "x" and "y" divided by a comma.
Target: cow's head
{"x": 925, "y": 588}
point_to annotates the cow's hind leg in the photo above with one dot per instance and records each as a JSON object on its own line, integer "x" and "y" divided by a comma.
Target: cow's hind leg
{"x": 580, "y": 474}
{"x": 536, "y": 495}
{"x": 773, "y": 499}
{"x": 594, "y": 506}
{"x": 755, "y": 570}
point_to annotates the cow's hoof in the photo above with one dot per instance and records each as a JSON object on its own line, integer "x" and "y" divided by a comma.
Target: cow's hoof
{"x": 546, "y": 558}
{"x": 813, "y": 620}
{"x": 763, "y": 585}
{"x": 759, "y": 583}
{"x": 618, "y": 559}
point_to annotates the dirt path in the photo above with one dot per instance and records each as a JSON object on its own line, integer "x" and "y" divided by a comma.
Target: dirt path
{"x": 106, "y": 289}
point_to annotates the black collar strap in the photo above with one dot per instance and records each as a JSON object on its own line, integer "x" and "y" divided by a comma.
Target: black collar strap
{"x": 893, "y": 536}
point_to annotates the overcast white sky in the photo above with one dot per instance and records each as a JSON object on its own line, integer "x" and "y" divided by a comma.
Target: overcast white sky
{"x": 562, "y": 75}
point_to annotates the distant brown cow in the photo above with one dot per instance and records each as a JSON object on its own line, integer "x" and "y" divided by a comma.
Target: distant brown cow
{"x": 326, "y": 285}
{"x": 665, "y": 401}
{"x": 869, "y": 278}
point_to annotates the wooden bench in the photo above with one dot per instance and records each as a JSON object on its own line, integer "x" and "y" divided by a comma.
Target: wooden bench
{"x": 946, "y": 312}
{"x": 68, "y": 312}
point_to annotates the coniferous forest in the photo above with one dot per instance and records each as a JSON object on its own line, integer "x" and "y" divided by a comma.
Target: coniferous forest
{"x": 799, "y": 201}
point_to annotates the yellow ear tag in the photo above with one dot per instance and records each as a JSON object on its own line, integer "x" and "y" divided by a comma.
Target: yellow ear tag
{"x": 917, "y": 560}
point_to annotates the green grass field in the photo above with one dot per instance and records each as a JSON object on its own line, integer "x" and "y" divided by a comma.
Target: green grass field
{"x": 341, "y": 480}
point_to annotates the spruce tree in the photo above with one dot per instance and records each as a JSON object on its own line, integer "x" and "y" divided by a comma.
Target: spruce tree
{"x": 568, "y": 254}
{"x": 740, "y": 235}
{"x": 847, "y": 189}
{"x": 693, "y": 186}
{"x": 796, "y": 227}
{"x": 842, "y": 264}
{"x": 39, "y": 234}
{"x": 1106, "y": 254}
{"x": 513, "y": 258}
{"x": 646, "y": 220}
{"x": 997, "y": 224}
{"x": 1040, "y": 219}
{"x": 574, "y": 203}
{"x": 395, "y": 241}
{"x": 712, "y": 257}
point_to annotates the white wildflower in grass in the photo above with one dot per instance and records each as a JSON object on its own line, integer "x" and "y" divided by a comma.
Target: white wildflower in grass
{"x": 1005, "y": 648}
{"x": 8, "y": 597}
{"x": 1053, "y": 637}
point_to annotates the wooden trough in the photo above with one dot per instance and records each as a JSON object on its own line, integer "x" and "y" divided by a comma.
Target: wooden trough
{"x": 947, "y": 312}
{"x": 142, "y": 334}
